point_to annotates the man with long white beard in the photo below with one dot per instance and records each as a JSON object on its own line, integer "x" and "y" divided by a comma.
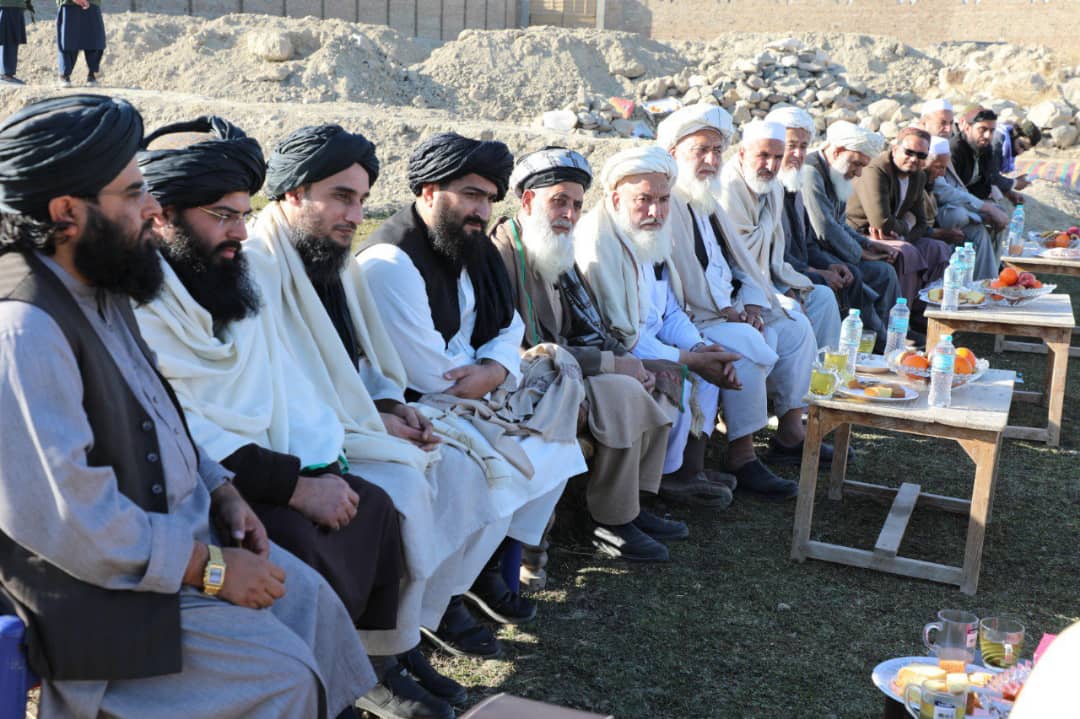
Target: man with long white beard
{"x": 821, "y": 187}
{"x": 627, "y": 427}
{"x": 623, "y": 246}
{"x": 724, "y": 295}
{"x": 753, "y": 200}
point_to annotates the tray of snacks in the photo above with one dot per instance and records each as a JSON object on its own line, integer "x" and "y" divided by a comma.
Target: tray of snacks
{"x": 990, "y": 692}
{"x": 914, "y": 365}
{"x": 1057, "y": 239}
{"x": 876, "y": 390}
{"x": 1015, "y": 288}
{"x": 969, "y": 299}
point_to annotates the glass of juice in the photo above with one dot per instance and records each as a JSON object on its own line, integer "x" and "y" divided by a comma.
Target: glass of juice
{"x": 823, "y": 381}
{"x": 1001, "y": 639}
{"x": 835, "y": 359}
{"x": 866, "y": 345}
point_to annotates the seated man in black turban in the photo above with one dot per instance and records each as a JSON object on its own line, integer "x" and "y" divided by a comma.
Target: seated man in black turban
{"x": 244, "y": 400}
{"x": 441, "y": 284}
{"x": 299, "y": 248}
{"x": 132, "y": 558}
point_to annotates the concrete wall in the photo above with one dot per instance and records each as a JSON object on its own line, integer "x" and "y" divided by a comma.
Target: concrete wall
{"x": 431, "y": 19}
{"x": 1055, "y": 23}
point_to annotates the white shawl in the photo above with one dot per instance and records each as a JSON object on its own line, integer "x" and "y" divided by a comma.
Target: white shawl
{"x": 308, "y": 330}
{"x": 241, "y": 388}
{"x": 608, "y": 262}
{"x": 762, "y": 237}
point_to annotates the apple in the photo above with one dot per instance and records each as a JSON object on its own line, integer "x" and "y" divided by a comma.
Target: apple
{"x": 1026, "y": 280}
{"x": 1074, "y": 230}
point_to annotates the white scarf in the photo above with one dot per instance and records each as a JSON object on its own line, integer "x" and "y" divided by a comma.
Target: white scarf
{"x": 305, "y": 326}
{"x": 761, "y": 232}
{"x": 240, "y": 389}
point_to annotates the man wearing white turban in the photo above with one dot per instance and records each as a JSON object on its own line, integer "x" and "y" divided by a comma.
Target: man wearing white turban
{"x": 825, "y": 186}
{"x": 726, "y": 297}
{"x": 623, "y": 248}
{"x": 753, "y": 199}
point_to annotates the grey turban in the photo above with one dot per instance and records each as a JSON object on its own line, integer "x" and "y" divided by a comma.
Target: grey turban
{"x": 71, "y": 145}
{"x": 205, "y": 171}
{"x": 448, "y": 156}
{"x": 314, "y": 153}
{"x": 550, "y": 166}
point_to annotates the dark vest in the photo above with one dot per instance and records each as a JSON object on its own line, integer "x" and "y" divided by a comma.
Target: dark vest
{"x": 77, "y": 630}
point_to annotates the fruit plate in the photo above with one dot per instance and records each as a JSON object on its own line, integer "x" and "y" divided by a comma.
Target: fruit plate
{"x": 909, "y": 393}
{"x": 884, "y": 676}
{"x": 981, "y": 366}
{"x": 924, "y": 295}
{"x": 1015, "y": 295}
{"x": 873, "y": 364}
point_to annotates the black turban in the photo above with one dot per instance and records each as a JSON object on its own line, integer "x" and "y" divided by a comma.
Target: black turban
{"x": 314, "y": 153}
{"x": 448, "y": 156}
{"x": 71, "y": 145}
{"x": 205, "y": 171}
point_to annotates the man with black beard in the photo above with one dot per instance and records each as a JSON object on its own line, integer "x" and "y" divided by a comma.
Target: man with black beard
{"x": 627, "y": 427}
{"x": 318, "y": 179}
{"x": 112, "y": 519}
{"x": 441, "y": 284}
{"x": 252, "y": 409}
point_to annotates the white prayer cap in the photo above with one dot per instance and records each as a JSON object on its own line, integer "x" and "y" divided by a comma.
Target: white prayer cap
{"x": 794, "y": 118}
{"x": 690, "y": 119}
{"x": 637, "y": 161}
{"x": 931, "y": 106}
{"x": 852, "y": 137}
{"x": 763, "y": 130}
{"x": 939, "y": 146}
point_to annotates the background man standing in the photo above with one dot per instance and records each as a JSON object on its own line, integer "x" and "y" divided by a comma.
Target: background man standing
{"x": 79, "y": 26}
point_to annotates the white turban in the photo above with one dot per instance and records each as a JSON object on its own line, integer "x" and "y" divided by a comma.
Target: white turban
{"x": 691, "y": 119}
{"x": 931, "y": 106}
{"x": 794, "y": 118}
{"x": 763, "y": 130}
{"x": 637, "y": 161}
{"x": 852, "y": 137}
{"x": 939, "y": 146}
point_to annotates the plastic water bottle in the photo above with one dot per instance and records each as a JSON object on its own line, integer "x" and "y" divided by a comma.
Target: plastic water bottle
{"x": 850, "y": 336}
{"x": 899, "y": 317}
{"x": 941, "y": 372}
{"x": 969, "y": 264}
{"x": 954, "y": 283}
{"x": 1016, "y": 232}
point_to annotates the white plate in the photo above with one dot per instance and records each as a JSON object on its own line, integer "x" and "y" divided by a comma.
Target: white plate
{"x": 909, "y": 394}
{"x": 1061, "y": 253}
{"x": 884, "y": 674}
{"x": 925, "y": 297}
{"x": 874, "y": 364}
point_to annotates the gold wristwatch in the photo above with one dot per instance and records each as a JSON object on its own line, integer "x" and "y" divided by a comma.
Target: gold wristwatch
{"x": 214, "y": 574}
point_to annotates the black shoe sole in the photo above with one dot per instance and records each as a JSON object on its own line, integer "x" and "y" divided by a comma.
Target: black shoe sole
{"x": 450, "y": 649}
{"x": 493, "y": 614}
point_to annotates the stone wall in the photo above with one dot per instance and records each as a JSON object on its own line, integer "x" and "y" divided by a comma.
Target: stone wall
{"x": 431, "y": 19}
{"x": 1055, "y": 23}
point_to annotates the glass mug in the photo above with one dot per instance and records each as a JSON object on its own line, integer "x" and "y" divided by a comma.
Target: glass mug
{"x": 835, "y": 359}
{"x": 866, "y": 345}
{"x": 1001, "y": 639}
{"x": 957, "y": 635}
{"x": 823, "y": 381}
{"x": 934, "y": 701}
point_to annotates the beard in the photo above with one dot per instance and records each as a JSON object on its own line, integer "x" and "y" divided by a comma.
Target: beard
{"x": 323, "y": 256}
{"x": 791, "y": 178}
{"x": 223, "y": 287}
{"x": 760, "y": 185}
{"x": 115, "y": 259}
{"x": 650, "y": 245}
{"x": 700, "y": 192}
{"x": 838, "y": 175}
{"x": 549, "y": 246}
{"x": 449, "y": 238}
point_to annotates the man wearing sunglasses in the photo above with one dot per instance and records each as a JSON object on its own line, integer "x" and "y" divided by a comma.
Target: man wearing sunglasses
{"x": 888, "y": 205}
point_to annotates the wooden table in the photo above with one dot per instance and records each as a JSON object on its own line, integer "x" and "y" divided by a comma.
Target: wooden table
{"x": 976, "y": 420}
{"x": 1049, "y": 318}
{"x": 1044, "y": 266}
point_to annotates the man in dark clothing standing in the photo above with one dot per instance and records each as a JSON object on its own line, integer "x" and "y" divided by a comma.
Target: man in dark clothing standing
{"x": 79, "y": 26}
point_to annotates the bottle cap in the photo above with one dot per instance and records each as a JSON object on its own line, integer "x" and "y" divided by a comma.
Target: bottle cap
{"x": 946, "y": 338}
{"x": 901, "y": 300}
{"x": 854, "y": 313}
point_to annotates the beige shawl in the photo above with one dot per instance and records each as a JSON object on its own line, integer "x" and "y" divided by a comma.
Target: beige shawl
{"x": 763, "y": 236}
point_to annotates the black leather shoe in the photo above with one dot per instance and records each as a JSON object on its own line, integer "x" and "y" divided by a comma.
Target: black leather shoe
{"x": 491, "y": 596}
{"x": 438, "y": 684}
{"x": 461, "y": 635}
{"x": 397, "y": 696}
{"x": 758, "y": 479}
{"x": 664, "y": 530}
{"x": 781, "y": 456}
{"x": 626, "y": 541}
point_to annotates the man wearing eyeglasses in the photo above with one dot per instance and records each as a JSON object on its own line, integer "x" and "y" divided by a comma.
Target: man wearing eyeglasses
{"x": 888, "y": 206}
{"x": 139, "y": 569}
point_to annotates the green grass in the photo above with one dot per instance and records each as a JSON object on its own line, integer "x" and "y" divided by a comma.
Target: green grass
{"x": 732, "y": 627}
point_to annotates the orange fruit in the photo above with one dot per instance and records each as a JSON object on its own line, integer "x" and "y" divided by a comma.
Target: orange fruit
{"x": 966, "y": 354}
{"x": 1060, "y": 240}
{"x": 915, "y": 362}
{"x": 963, "y": 365}
{"x": 996, "y": 284}
{"x": 1008, "y": 277}
{"x": 1037, "y": 285}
